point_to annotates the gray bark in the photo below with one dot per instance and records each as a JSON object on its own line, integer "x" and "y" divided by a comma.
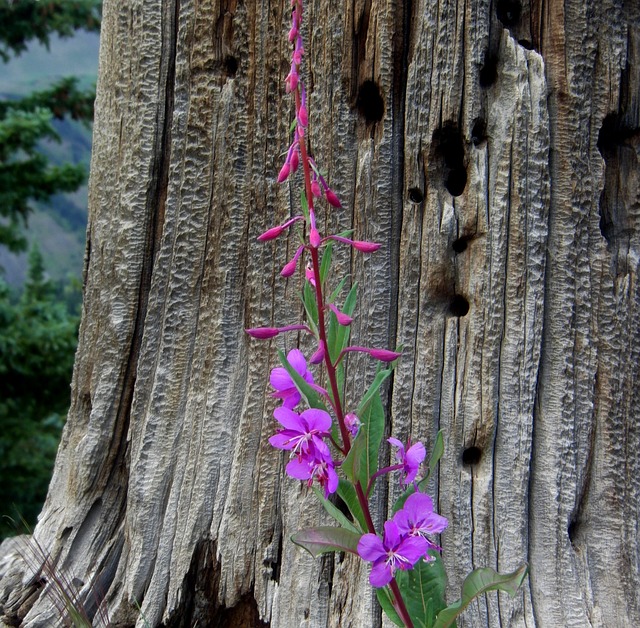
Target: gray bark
{"x": 502, "y": 179}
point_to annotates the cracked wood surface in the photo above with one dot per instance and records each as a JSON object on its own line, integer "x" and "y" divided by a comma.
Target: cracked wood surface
{"x": 500, "y": 172}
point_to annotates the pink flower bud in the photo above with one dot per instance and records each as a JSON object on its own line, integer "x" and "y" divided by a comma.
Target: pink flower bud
{"x": 365, "y": 247}
{"x": 262, "y": 333}
{"x": 332, "y": 199}
{"x": 353, "y": 423}
{"x": 284, "y": 172}
{"x": 314, "y": 238}
{"x": 290, "y": 267}
{"x": 293, "y": 33}
{"x": 384, "y": 355}
{"x": 318, "y": 356}
{"x": 271, "y": 234}
{"x": 303, "y": 116}
{"x": 291, "y": 81}
{"x": 294, "y": 160}
{"x": 309, "y": 274}
{"x": 315, "y": 189}
{"x": 343, "y": 319}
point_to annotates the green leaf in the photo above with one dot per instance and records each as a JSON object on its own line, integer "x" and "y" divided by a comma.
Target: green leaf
{"x": 325, "y": 539}
{"x": 335, "y": 512}
{"x": 310, "y": 306}
{"x": 478, "y": 582}
{"x": 312, "y": 398}
{"x": 423, "y": 589}
{"x": 304, "y": 205}
{"x": 347, "y": 493}
{"x": 337, "y": 291}
{"x": 384, "y": 598}
{"x": 373, "y": 389}
{"x": 362, "y": 460}
{"x": 325, "y": 265}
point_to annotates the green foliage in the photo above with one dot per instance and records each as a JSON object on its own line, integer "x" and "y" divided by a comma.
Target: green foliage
{"x": 24, "y": 20}
{"x": 37, "y": 343}
{"x": 26, "y": 174}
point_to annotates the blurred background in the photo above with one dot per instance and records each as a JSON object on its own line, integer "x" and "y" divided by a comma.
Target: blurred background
{"x": 48, "y": 69}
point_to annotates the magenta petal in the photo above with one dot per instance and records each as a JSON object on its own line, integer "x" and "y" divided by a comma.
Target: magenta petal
{"x": 391, "y": 534}
{"x": 370, "y": 547}
{"x": 395, "y": 442}
{"x": 415, "y": 455}
{"x": 418, "y": 505}
{"x": 289, "y": 419}
{"x": 317, "y": 420}
{"x": 297, "y": 361}
{"x": 280, "y": 379}
{"x": 332, "y": 484}
{"x": 291, "y": 399}
{"x": 281, "y": 440}
{"x": 299, "y": 469}
{"x": 413, "y": 548}
{"x": 380, "y": 575}
{"x": 434, "y": 523}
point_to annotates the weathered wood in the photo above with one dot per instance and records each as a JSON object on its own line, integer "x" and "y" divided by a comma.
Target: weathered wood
{"x": 492, "y": 148}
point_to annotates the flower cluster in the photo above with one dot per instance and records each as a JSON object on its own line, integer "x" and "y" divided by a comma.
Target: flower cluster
{"x": 325, "y": 440}
{"x": 405, "y": 539}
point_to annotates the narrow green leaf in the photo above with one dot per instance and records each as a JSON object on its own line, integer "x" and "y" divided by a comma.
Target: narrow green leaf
{"x": 348, "y": 494}
{"x": 312, "y": 398}
{"x": 325, "y": 265}
{"x": 310, "y": 306}
{"x": 373, "y": 389}
{"x": 362, "y": 460}
{"x": 337, "y": 290}
{"x": 325, "y": 539}
{"x": 304, "y": 205}
{"x": 423, "y": 589}
{"x": 384, "y": 598}
{"x": 335, "y": 512}
{"x": 477, "y": 583}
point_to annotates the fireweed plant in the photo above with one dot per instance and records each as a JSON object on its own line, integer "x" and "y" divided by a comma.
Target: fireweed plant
{"x": 333, "y": 448}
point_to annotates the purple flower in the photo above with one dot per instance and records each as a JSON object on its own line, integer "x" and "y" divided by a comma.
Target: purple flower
{"x": 302, "y": 433}
{"x": 410, "y": 459}
{"x": 418, "y": 519}
{"x": 395, "y": 551}
{"x": 282, "y": 382}
{"x": 316, "y": 465}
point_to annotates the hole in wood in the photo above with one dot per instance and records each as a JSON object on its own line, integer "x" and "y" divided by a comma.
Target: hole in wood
{"x": 370, "y": 103}
{"x": 489, "y": 71}
{"x": 449, "y": 148}
{"x": 456, "y": 181}
{"x": 572, "y": 531}
{"x": 459, "y": 306}
{"x": 613, "y": 133}
{"x": 525, "y": 43}
{"x": 459, "y": 245}
{"x": 416, "y": 195}
{"x": 230, "y": 65}
{"x": 479, "y": 132}
{"x": 508, "y": 12}
{"x": 471, "y": 455}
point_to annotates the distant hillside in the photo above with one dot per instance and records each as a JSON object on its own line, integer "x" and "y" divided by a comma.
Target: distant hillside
{"x": 59, "y": 228}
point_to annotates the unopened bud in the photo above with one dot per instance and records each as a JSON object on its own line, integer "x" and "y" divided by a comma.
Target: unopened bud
{"x": 271, "y": 234}
{"x": 284, "y": 172}
{"x": 262, "y": 333}
{"x": 332, "y": 199}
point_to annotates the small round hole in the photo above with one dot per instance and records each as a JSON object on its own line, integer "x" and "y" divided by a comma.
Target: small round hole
{"x": 459, "y": 245}
{"x": 230, "y": 65}
{"x": 471, "y": 455}
{"x": 459, "y": 306}
{"x": 416, "y": 195}
{"x": 370, "y": 103}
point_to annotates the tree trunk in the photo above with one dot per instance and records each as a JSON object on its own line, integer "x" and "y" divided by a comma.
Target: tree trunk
{"x": 492, "y": 147}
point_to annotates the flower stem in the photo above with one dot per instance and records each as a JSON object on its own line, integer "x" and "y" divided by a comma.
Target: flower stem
{"x": 399, "y": 604}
